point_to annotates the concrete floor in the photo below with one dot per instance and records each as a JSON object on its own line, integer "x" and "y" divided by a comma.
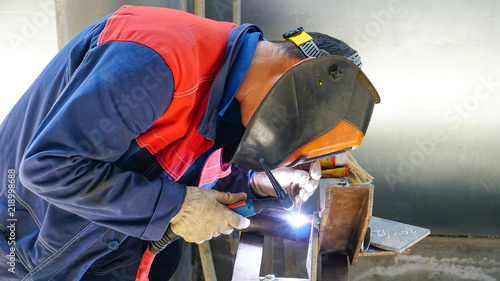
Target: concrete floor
{"x": 435, "y": 258}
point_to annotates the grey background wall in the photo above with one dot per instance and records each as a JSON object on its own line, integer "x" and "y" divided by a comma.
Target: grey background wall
{"x": 28, "y": 41}
{"x": 433, "y": 143}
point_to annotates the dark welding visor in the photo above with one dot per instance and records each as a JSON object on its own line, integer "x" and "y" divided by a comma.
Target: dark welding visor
{"x": 319, "y": 107}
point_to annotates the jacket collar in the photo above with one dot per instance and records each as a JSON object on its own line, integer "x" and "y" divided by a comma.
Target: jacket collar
{"x": 208, "y": 124}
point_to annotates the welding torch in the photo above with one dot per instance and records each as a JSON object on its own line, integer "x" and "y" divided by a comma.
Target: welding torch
{"x": 249, "y": 208}
{"x": 245, "y": 208}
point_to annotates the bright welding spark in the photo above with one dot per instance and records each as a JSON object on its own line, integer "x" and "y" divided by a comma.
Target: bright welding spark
{"x": 297, "y": 219}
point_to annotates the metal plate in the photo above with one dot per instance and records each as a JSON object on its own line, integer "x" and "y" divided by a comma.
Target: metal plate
{"x": 248, "y": 258}
{"x": 395, "y": 236}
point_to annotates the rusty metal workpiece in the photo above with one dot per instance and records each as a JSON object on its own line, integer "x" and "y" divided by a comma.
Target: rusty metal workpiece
{"x": 345, "y": 214}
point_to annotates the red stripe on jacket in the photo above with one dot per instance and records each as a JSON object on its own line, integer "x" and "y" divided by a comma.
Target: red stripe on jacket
{"x": 193, "y": 47}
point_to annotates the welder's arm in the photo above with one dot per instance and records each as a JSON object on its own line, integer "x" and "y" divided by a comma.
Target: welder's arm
{"x": 299, "y": 182}
{"x": 237, "y": 181}
{"x": 117, "y": 92}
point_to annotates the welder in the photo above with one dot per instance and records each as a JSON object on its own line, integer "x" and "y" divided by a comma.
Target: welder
{"x": 153, "y": 118}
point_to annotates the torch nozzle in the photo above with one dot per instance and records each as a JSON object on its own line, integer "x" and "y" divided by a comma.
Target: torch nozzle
{"x": 283, "y": 197}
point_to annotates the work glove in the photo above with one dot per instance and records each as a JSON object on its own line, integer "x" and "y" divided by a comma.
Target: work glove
{"x": 299, "y": 181}
{"x": 356, "y": 173}
{"x": 204, "y": 215}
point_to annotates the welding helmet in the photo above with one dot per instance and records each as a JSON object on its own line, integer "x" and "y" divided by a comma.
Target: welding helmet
{"x": 320, "y": 107}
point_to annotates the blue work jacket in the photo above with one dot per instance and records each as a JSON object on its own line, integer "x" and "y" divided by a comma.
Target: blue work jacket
{"x": 97, "y": 200}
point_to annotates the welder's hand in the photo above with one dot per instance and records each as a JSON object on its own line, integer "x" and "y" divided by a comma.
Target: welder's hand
{"x": 299, "y": 182}
{"x": 204, "y": 215}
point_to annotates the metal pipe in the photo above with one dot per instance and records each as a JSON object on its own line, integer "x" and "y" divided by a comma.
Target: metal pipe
{"x": 366, "y": 241}
{"x": 207, "y": 262}
{"x": 276, "y": 223}
{"x": 237, "y": 12}
{"x": 183, "y": 5}
{"x": 199, "y": 7}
